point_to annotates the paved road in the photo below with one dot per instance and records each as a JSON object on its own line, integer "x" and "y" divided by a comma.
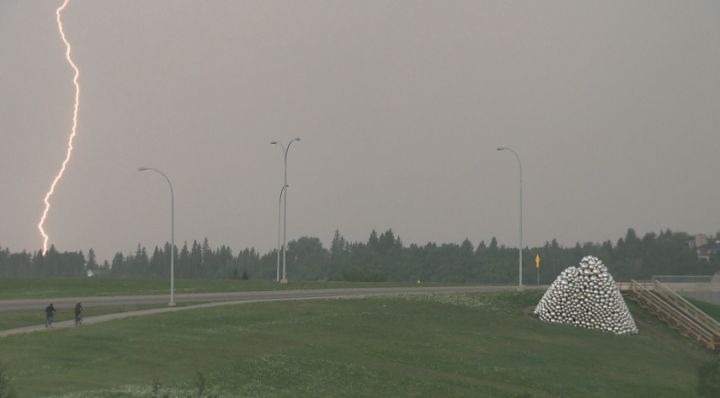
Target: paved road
{"x": 97, "y": 301}
{"x": 220, "y": 299}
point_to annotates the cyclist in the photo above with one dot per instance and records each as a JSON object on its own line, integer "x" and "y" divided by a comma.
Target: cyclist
{"x": 78, "y": 314}
{"x": 49, "y": 315}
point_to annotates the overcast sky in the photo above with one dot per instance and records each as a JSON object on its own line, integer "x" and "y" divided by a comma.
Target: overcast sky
{"x": 613, "y": 106}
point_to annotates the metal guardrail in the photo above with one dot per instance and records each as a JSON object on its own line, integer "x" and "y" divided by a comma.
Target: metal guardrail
{"x": 677, "y": 312}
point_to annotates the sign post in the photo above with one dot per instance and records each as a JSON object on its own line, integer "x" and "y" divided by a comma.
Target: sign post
{"x": 537, "y": 267}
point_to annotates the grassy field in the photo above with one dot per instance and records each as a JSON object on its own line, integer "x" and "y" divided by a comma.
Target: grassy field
{"x": 710, "y": 309}
{"x": 18, "y": 318}
{"x": 16, "y": 288}
{"x": 425, "y": 346}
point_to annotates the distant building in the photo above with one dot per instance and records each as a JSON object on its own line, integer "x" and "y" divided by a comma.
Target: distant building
{"x": 697, "y": 241}
{"x": 708, "y": 250}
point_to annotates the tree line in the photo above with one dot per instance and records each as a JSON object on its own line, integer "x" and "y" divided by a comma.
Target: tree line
{"x": 383, "y": 257}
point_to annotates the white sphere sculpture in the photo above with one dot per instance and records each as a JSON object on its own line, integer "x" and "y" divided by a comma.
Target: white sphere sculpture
{"x": 586, "y": 296}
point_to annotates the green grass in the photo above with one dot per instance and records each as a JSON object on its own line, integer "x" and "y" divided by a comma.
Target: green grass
{"x": 478, "y": 345}
{"x": 17, "y": 318}
{"x": 710, "y": 309}
{"x": 16, "y": 288}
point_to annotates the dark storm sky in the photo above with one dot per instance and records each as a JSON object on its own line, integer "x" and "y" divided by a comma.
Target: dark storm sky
{"x": 613, "y": 106}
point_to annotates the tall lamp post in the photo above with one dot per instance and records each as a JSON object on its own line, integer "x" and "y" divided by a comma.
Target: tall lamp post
{"x": 277, "y": 275}
{"x": 285, "y": 150}
{"x": 520, "y": 248}
{"x": 172, "y": 233}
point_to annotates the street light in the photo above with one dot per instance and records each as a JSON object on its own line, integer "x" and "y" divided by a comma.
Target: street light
{"x": 277, "y": 275}
{"x": 521, "y": 215}
{"x": 172, "y": 233}
{"x": 284, "y": 247}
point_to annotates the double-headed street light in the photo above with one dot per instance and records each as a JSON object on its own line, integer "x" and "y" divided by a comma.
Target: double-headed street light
{"x": 285, "y": 150}
{"x": 172, "y": 233}
{"x": 520, "y": 248}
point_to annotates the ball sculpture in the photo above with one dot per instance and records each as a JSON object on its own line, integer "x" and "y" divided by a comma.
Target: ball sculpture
{"x": 586, "y": 296}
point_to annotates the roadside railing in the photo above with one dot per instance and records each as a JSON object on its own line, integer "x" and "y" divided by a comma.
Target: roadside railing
{"x": 690, "y": 279}
{"x": 677, "y": 312}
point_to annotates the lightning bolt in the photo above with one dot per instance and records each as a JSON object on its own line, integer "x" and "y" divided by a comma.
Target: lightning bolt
{"x": 73, "y": 131}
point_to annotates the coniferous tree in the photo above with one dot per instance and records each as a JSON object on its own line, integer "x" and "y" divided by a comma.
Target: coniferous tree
{"x": 373, "y": 241}
{"x": 52, "y": 261}
{"x": 91, "y": 264}
{"x": 493, "y": 244}
{"x": 382, "y": 257}
{"x": 38, "y": 264}
{"x": 466, "y": 248}
{"x": 141, "y": 262}
{"x": 118, "y": 264}
{"x": 338, "y": 246}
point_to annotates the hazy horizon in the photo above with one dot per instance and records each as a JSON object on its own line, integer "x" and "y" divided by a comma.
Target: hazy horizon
{"x": 614, "y": 108}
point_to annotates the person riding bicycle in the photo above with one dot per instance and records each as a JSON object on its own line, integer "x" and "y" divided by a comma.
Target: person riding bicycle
{"x": 78, "y": 313}
{"x": 49, "y": 315}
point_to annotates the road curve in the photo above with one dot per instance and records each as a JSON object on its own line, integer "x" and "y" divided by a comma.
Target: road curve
{"x": 97, "y": 301}
{"x": 220, "y": 299}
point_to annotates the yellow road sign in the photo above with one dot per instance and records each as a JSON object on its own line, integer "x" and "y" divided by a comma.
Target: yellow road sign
{"x": 537, "y": 261}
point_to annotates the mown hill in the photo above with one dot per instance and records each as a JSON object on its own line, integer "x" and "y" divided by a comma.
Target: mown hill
{"x": 479, "y": 345}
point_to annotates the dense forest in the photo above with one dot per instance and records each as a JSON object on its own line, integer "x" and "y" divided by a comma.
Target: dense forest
{"x": 382, "y": 258}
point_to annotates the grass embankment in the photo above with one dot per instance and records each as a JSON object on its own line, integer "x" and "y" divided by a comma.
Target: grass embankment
{"x": 426, "y": 346}
{"x": 18, "y": 318}
{"x": 18, "y": 288}
{"x": 710, "y": 309}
